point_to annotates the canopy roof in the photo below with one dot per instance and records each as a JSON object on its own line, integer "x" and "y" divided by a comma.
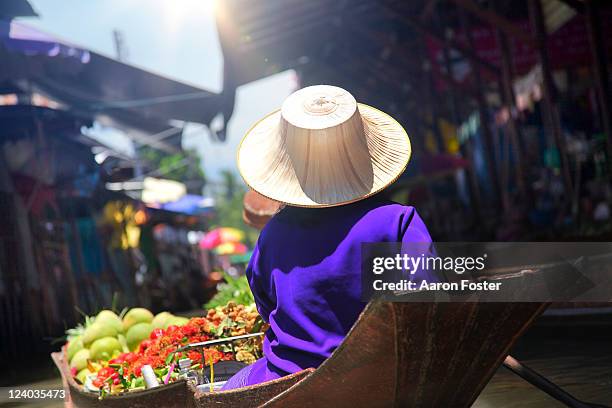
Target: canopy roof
{"x": 95, "y": 85}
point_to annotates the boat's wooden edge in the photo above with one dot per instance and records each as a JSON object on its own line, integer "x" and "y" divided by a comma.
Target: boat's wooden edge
{"x": 252, "y": 395}
{"x": 291, "y": 378}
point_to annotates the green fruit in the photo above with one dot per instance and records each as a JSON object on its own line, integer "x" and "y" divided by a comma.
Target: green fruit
{"x": 97, "y": 331}
{"x": 137, "y": 334}
{"x": 109, "y": 318}
{"x": 136, "y": 315}
{"x": 123, "y": 342}
{"x": 107, "y": 313}
{"x": 79, "y": 361}
{"x": 176, "y": 321}
{"x": 81, "y": 376}
{"x": 74, "y": 345}
{"x": 160, "y": 319}
{"x": 103, "y": 349}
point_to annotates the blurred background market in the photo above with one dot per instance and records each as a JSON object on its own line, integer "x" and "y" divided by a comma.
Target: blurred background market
{"x": 119, "y": 122}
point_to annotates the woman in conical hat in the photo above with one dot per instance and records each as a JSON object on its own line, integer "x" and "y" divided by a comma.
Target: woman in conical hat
{"x": 325, "y": 157}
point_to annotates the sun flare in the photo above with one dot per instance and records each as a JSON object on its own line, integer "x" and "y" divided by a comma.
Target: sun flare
{"x": 176, "y": 12}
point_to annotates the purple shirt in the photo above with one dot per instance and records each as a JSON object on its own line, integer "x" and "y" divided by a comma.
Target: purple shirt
{"x": 305, "y": 274}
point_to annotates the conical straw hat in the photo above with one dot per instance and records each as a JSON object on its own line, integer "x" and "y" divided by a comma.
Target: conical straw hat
{"x": 322, "y": 149}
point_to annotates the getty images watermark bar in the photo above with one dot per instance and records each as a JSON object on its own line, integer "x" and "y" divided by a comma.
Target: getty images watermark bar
{"x": 487, "y": 271}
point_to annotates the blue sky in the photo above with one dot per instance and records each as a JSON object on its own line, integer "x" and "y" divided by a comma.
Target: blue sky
{"x": 175, "y": 38}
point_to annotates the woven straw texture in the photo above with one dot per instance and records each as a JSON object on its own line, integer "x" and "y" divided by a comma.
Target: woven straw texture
{"x": 323, "y": 149}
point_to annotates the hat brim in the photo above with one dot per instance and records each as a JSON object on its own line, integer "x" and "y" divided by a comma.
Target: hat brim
{"x": 389, "y": 150}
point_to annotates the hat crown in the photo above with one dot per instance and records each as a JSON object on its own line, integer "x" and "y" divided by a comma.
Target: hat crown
{"x": 319, "y": 107}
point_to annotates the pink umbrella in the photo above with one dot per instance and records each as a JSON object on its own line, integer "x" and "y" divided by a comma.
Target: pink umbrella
{"x": 220, "y": 236}
{"x": 211, "y": 240}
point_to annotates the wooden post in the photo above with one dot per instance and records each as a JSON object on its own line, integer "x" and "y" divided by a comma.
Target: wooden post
{"x": 508, "y": 97}
{"x": 430, "y": 107}
{"x": 600, "y": 69}
{"x": 550, "y": 111}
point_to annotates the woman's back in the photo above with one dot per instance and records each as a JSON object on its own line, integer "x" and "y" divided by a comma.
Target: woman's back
{"x": 305, "y": 275}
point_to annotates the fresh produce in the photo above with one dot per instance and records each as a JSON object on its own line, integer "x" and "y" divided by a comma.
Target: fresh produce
{"x": 82, "y": 374}
{"x": 105, "y": 348}
{"x": 136, "y": 315}
{"x": 97, "y": 331}
{"x": 123, "y": 342}
{"x": 100, "y": 338}
{"x": 110, "y": 318}
{"x": 79, "y": 361}
{"x": 73, "y": 346}
{"x": 159, "y": 321}
{"x": 137, "y": 333}
{"x": 235, "y": 320}
{"x": 235, "y": 290}
{"x": 107, "y": 367}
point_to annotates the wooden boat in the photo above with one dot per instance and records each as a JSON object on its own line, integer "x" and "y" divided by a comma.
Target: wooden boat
{"x": 396, "y": 354}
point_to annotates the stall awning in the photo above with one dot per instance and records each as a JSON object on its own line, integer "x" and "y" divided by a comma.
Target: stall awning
{"x": 21, "y": 38}
{"x": 97, "y": 85}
